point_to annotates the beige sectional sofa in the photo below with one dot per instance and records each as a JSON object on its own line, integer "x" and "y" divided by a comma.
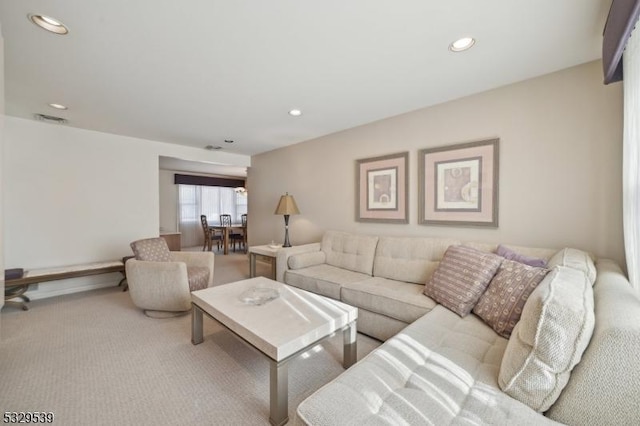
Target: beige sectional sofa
{"x": 436, "y": 367}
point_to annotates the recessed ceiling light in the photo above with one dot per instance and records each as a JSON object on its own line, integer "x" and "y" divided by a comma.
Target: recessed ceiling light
{"x": 462, "y": 44}
{"x": 48, "y": 23}
{"x": 57, "y": 106}
{"x": 295, "y": 112}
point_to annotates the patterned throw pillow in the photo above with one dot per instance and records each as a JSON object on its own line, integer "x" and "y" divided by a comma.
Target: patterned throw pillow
{"x": 461, "y": 278}
{"x": 151, "y": 249}
{"x": 501, "y": 305}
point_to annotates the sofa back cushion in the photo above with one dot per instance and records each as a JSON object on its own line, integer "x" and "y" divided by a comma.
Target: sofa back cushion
{"x": 554, "y": 330}
{"x": 349, "y": 251}
{"x": 408, "y": 259}
{"x": 603, "y": 387}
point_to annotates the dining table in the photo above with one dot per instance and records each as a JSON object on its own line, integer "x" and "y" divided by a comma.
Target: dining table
{"x": 226, "y": 231}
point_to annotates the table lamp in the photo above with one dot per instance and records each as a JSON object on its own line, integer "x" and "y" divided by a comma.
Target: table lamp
{"x": 287, "y": 206}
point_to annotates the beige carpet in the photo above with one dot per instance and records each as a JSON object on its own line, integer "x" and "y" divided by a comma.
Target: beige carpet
{"x": 93, "y": 358}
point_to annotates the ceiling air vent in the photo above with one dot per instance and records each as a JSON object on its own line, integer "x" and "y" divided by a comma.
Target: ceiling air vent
{"x": 50, "y": 118}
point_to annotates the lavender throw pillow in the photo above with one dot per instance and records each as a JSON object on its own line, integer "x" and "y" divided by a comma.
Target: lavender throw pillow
{"x": 462, "y": 276}
{"x": 507, "y": 253}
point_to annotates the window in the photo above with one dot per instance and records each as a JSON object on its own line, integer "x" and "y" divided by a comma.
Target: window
{"x": 211, "y": 201}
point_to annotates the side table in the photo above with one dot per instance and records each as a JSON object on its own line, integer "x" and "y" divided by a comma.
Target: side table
{"x": 265, "y": 252}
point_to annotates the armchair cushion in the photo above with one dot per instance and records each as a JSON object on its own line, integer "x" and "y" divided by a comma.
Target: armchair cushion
{"x": 195, "y": 259}
{"x": 151, "y": 249}
{"x": 198, "y": 277}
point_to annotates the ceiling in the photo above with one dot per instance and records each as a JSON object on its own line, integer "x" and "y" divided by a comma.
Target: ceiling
{"x": 199, "y": 72}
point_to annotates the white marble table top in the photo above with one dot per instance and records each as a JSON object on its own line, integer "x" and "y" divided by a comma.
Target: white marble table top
{"x": 280, "y": 327}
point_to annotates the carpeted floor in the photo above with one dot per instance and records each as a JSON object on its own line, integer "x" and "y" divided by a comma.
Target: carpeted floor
{"x": 93, "y": 358}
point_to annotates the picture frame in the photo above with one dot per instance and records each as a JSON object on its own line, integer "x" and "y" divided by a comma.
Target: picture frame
{"x": 458, "y": 184}
{"x": 382, "y": 189}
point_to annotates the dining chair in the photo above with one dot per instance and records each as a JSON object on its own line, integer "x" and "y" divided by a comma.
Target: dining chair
{"x": 234, "y": 236}
{"x": 210, "y": 235}
{"x": 244, "y": 231}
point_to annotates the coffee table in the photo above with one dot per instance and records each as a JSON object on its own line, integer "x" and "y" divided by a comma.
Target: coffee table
{"x": 280, "y": 329}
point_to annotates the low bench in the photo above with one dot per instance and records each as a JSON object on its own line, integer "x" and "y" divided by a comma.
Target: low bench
{"x": 15, "y": 288}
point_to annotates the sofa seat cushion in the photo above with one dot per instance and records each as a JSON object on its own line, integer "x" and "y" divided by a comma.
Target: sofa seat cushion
{"x": 441, "y": 369}
{"x": 323, "y": 279}
{"x": 395, "y": 299}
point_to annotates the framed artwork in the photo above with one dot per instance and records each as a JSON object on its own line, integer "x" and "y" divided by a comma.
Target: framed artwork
{"x": 382, "y": 189}
{"x": 458, "y": 184}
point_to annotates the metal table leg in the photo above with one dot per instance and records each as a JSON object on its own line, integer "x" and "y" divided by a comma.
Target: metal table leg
{"x": 279, "y": 393}
{"x": 196, "y": 325}
{"x": 350, "y": 351}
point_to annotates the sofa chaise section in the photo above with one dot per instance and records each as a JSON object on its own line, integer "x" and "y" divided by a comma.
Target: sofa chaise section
{"x": 441, "y": 369}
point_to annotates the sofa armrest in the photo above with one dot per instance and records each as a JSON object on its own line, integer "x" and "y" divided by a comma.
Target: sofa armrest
{"x": 603, "y": 387}
{"x": 282, "y": 257}
{"x": 194, "y": 258}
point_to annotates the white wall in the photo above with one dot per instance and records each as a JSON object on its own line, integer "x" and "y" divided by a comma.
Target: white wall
{"x": 560, "y": 166}
{"x": 168, "y": 201}
{"x": 75, "y": 196}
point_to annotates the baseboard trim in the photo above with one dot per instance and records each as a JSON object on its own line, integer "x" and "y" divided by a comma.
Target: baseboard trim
{"x": 45, "y": 293}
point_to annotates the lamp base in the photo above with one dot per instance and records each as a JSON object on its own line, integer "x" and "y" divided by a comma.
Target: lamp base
{"x": 286, "y": 231}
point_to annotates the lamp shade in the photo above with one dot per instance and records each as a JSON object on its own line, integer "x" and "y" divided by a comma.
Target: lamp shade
{"x": 287, "y": 205}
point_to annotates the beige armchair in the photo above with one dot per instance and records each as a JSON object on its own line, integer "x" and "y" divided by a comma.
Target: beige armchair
{"x": 161, "y": 281}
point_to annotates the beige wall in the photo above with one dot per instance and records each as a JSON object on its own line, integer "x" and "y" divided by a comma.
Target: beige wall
{"x": 560, "y": 166}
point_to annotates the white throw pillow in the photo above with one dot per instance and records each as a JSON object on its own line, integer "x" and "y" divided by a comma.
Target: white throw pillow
{"x": 304, "y": 260}
{"x": 554, "y": 330}
{"x": 576, "y": 259}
